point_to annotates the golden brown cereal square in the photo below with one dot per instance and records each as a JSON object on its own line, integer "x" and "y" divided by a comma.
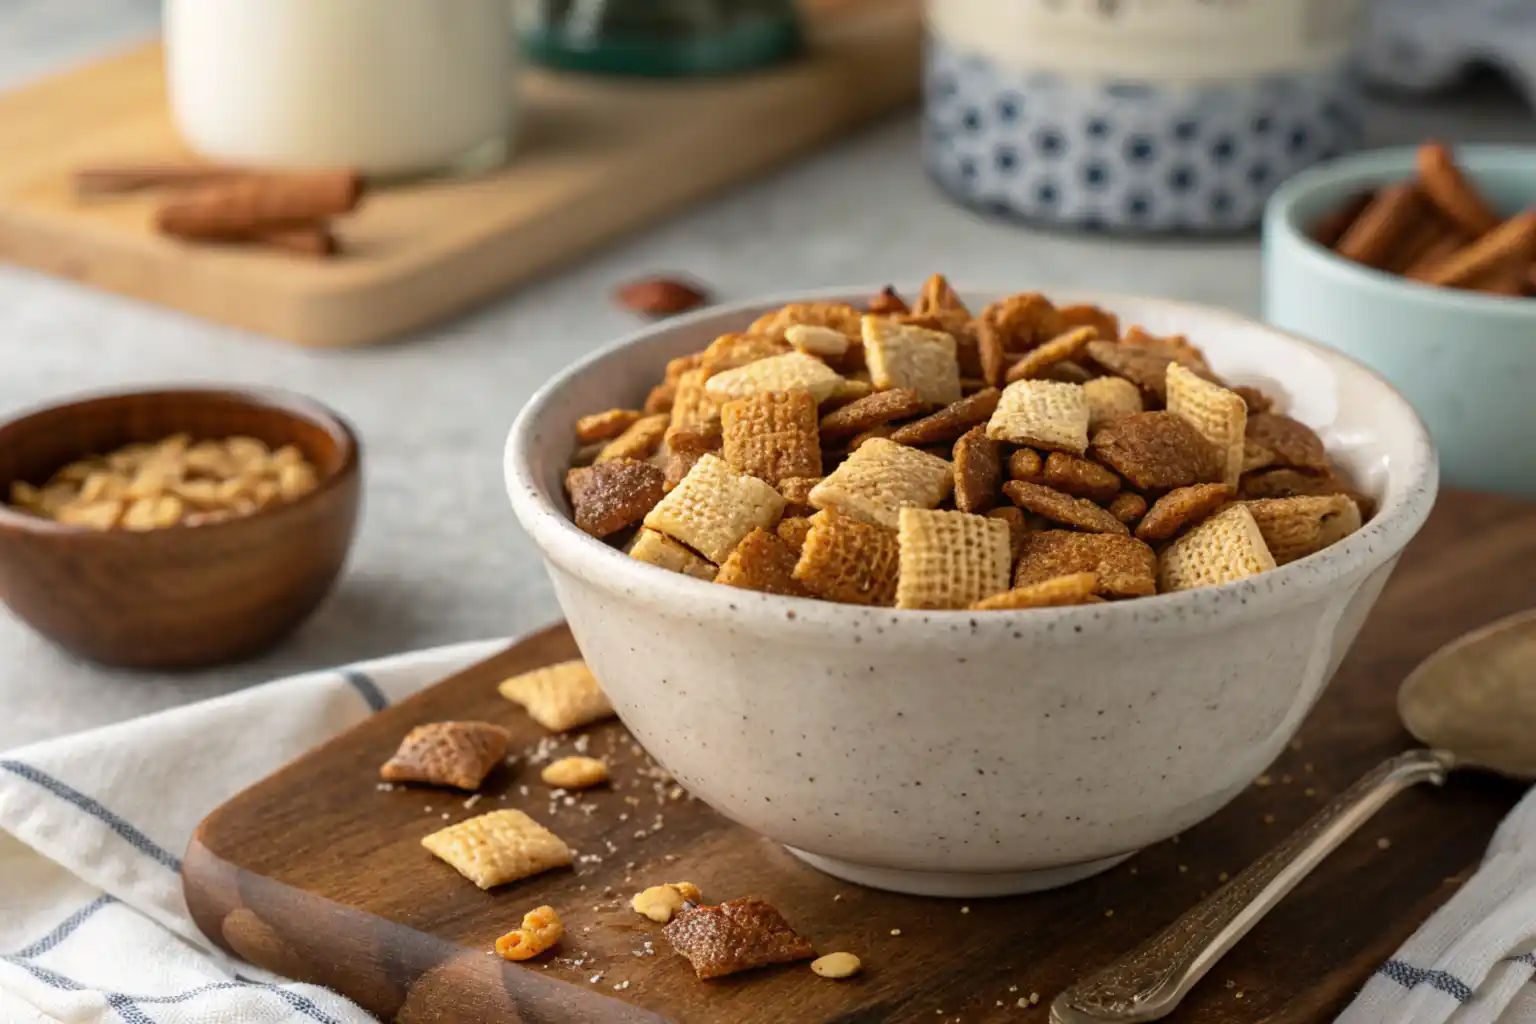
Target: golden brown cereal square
{"x": 912, "y": 357}
{"x": 1125, "y": 566}
{"x": 1083, "y": 315}
{"x": 1180, "y": 508}
{"x": 772, "y": 435}
{"x": 1042, "y": 414}
{"x": 733, "y": 351}
{"x": 500, "y": 847}
{"x": 978, "y": 470}
{"x": 762, "y": 562}
{"x": 714, "y": 507}
{"x": 675, "y": 465}
{"x": 1288, "y": 483}
{"x": 1062, "y": 347}
{"x": 949, "y": 422}
{"x": 950, "y": 559}
{"x": 1257, "y": 400}
{"x": 788, "y": 372}
{"x": 882, "y": 477}
{"x": 875, "y": 410}
{"x": 1018, "y": 528}
{"x": 1173, "y": 346}
{"x": 849, "y": 389}
{"x": 888, "y": 303}
{"x": 1062, "y": 508}
{"x": 1079, "y": 477}
{"x": 559, "y": 697}
{"x": 665, "y": 553}
{"x": 604, "y": 426}
{"x": 1256, "y": 456}
{"x": 1026, "y": 464}
{"x": 792, "y": 530}
{"x": 1228, "y": 546}
{"x": 844, "y": 560}
{"x": 458, "y": 754}
{"x": 797, "y": 489}
{"x": 1297, "y": 527}
{"x": 1110, "y": 399}
{"x": 1294, "y": 444}
{"x": 694, "y": 411}
{"x": 660, "y": 397}
{"x": 1156, "y": 451}
{"x": 1127, "y": 506}
{"x": 1062, "y": 591}
{"x": 991, "y": 353}
{"x": 612, "y": 495}
{"x": 639, "y": 441}
{"x": 735, "y": 936}
{"x": 1220, "y": 415}
{"x": 822, "y": 342}
{"x": 837, "y": 315}
{"x": 1023, "y": 321}
{"x": 1147, "y": 369}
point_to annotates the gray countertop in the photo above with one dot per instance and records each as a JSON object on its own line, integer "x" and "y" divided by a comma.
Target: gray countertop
{"x": 439, "y": 557}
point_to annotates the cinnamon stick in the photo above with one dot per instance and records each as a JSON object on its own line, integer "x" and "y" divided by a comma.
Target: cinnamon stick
{"x": 1514, "y": 241}
{"x": 1448, "y": 189}
{"x": 1376, "y": 233}
{"x": 1328, "y": 231}
{"x": 1435, "y": 253}
{"x": 241, "y": 208}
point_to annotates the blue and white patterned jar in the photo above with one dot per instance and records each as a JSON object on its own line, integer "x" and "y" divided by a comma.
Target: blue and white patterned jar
{"x": 1135, "y": 115}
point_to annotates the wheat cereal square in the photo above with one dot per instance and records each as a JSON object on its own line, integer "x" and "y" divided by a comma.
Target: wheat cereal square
{"x": 1175, "y": 347}
{"x": 1042, "y": 414}
{"x": 665, "y": 553}
{"x": 872, "y": 411}
{"x": 950, "y": 559}
{"x": 797, "y": 489}
{"x": 1023, "y": 321}
{"x": 457, "y": 754}
{"x": 1110, "y": 399}
{"x": 1125, "y": 566}
{"x": 1297, "y": 527}
{"x": 1079, "y": 477}
{"x": 559, "y": 697}
{"x": 1256, "y": 400}
{"x": 1060, "y": 592}
{"x": 1226, "y": 547}
{"x": 978, "y": 470}
{"x": 605, "y": 426}
{"x": 659, "y": 398}
{"x": 842, "y": 559}
{"x": 639, "y": 441}
{"x": 500, "y": 847}
{"x": 714, "y": 507}
{"x": 1038, "y": 360}
{"x": 880, "y": 478}
{"x": 610, "y": 496}
{"x": 772, "y": 435}
{"x": 1156, "y": 451}
{"x": 949, "y": 422}
{"x": 1180, "y": 508}
{"x": 788, "y": 372}
{"x": 763, "y": 562}
{"x": 694, "y": 411}
{"x": 736, "y": 936}
{"x": 792, "y": 530}
{"x": 1062, "y": 508}
{"x": 1220, "y": 415}
{"x": 733, "y": 351}
{"x": 1255, "y": 456}
{"x": 901, "y": 356}
{"x": 1018, "y": 528}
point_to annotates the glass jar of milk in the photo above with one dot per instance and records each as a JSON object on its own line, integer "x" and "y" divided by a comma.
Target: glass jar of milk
{"x": 394, "y": 88}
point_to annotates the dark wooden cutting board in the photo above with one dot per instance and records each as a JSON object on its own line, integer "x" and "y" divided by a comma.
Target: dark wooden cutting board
{"x": 317, "y": 874}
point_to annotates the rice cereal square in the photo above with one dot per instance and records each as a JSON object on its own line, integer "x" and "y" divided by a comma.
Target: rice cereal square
{"x": 713, "y": 508}
{"x": 880, "y": 478}
{"x": 950, "y": 559}
{"x": 902, "y": 356}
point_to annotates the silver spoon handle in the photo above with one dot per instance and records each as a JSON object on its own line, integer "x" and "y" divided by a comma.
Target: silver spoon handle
{"x": 1150, "y": 982}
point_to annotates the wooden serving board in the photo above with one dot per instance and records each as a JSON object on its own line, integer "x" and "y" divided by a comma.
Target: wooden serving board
{"x": 315, "y": 874}
{"x": 598, "y": 157}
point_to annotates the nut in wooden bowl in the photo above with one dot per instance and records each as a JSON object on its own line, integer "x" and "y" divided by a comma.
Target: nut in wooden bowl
{"x": 248, "y": 509}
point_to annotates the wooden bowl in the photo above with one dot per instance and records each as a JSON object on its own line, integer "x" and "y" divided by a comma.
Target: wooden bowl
{"x": 183, "y": 596}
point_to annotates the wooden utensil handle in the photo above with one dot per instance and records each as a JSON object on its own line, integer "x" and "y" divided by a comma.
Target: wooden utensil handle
{"x": 1150, "y": 982}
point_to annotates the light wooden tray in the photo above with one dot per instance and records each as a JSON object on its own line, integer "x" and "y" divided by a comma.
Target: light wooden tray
{"x": 599, "y": 156}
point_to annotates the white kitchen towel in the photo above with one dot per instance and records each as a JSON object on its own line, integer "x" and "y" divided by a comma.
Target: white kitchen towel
{"x": 93, "y": 926}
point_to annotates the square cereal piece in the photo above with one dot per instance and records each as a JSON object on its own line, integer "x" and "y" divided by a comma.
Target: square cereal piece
{"x": 1079, "y": 477}
{"x": 978, "y": 470}
{"x": 949, "y": 422}
{"x": 1110, "y": 399}
{"x": 1060, "y": 592}
{"x": 1042, "y": 414}
{"x": 1293, "y": 443}
{"x": 611, "y": 495}
{"x": 665, "y": 553}
{"x": 659, "y": 399}
{"x": 797, "y": 489}
{"x": 1174, "y": 346}
{"x": 732, "y": 351}
{"x": 1083, "y": 315}
{"x": 1023, "y": 321}
{"x": 881, "y": 478}
{"x": 1228, "y": 546}
{"x": 457, "y": 754}
{"x": 872, "y": 411}
{"x": 776, "y": 373}
{"x": 1062, "y": 347}
{"x": 1297, "y": 527}
{"x": 1062, "y": 508}
{"x": 1018, "y": 528}
{"x": 792, "y": 530}
{"x": 1125, "y": 566}
{"x": 639, "y": 441}
{"x": 1157, "y": 451}
{"x": 1179, "y": 508}
{"x": 500, "y": 847}
{"x": 1220, "y": 415}
{"x": 713, "y": 508}
{"x": 559, "y": 697}
{"x": 733, "y": 937}
{"x": 950, "y": 559}
{"x": 844, "y": 560}
{"x": 694, "y": 411}
{"x": 821, "y": 342}
{"x": 837, "y": 315}
{"x": 773, "y": 435}
{"x": 763, "y": 562}
{"x": 605, "y": 426}
{"x": 902, "y": 356}
{"x": 1144, "y": 368}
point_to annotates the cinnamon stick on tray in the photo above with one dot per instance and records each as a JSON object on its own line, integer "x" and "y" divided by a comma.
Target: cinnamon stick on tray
{"x": 240, "y": 209}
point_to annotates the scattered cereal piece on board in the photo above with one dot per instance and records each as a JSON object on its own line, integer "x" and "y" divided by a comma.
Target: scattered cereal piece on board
{"x": 1018, "y": 528}
{"x": 762, "y": 562}
{"x": 1226, "y": 547}
{"x": 604, "y": 426}
{"x": 540, "y": 930}
{"x": 845, "y": 560}
{"x": 950, "y": 559}
{"x": 949, "y": 422}
{"x": 1062, "y": 508}
{"x": 1110, "y": 399}
{"x": 1295, "y": 444}
{"x": 575, "y": 772}
{"x": 1127, "y": 506}
{"x": 836, "y": 965}
{"x": 1061, "y": 591}
{"x": 1297, "y": 527}
{"x": 1037, "y": 360}
{"x": 661, "y": 902}
{"x": 901, "y": 356}
{"x": 978, "y": 470}
{"x": 875, "y": 410}
{"x": 458, "y": 754}
{"x": 1042, "y": 414}
{"x": 735, "y": 936}
{"x": 772, "y": 435}
{"x": 611, "y": 495}
{"x": 665, "y": 553}
{"x": 1180, "y": 508}
{"x": 1156, "y": 451}
{"x": 1125, "y": 566}
{"x": 714, "y": 508}
{"x": 882, "y": 477}
{"x": 821, "y": 342}
{"x": 500, "y": 847}
{"x": 776, "y": 373}
{"x": 1079, "y": 477}
{"x": 560, "y": 696}
{"x": 639, "y": 441}
{"x": 1221, "y": 417}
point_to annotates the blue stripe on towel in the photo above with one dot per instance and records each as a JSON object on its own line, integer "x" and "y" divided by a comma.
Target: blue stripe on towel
{"x": 127, "y": 1010}
{"x": 1529, "y": 959}
{"x": 138, "y": 840}
{"x": 63, "y": 931}
{"x": 367, "y": 687}
{"x": 44, "y": 975}
{"x": 1409, "y": 976}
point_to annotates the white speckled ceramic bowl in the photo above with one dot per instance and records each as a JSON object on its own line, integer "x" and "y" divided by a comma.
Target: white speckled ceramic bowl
{"x": 962, "y": 754}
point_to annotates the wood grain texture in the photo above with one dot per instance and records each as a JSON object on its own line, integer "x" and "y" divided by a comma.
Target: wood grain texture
{"x": 188, "y": 595}
{"x": 316, "y": 874}
{"x": 598, "y": 157}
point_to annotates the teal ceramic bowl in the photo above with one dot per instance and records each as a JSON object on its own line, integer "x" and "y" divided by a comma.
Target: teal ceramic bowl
{"x": 1466, "y": 361}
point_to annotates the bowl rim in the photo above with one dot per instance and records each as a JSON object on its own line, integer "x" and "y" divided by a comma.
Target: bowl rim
{"x": 1377, "y": 167}
{"x": 272, "y": 399}
{"x": 1185, "y": 612}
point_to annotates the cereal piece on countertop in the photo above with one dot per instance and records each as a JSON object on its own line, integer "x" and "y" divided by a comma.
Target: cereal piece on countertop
{"x": 1127, "y": 506}
{"x": 950, "y": 559}
{"x": 540, "y": 930}
{"x": 1297, "y": 527}
{"x": 1295, "y": 445}
{"x": 1059, "y": 592}
{"x": 880, "y": 478}
{"x": 574, "y": 772}
{"x": 1042, "y": 414}
{"x": 714, "y": 508}
{"x": 559, "y": 697}
{"x": 772, "y": 435}
{"x": 1125, "y": 566}
{"x": 1180, "y": 508}
{"x": 457, "y": 754}
{"x": 1110, "y": 399}
{"x": 604, "y": 426}
{"x": 1062, "y": 347}
{"x": 500, "y": 847}
{"x": 663, "y": 552}
{"x": 608, "y": 496}
{"x": 845, "y": 560}
{"x": 949, "y": 422}
{"x": 661, "y": 902}
{"x": 776, "y": 373}
{"x": 735, "y": 936}
{"x": 1079, "y": 477}
{"x": 639, "y": 441}
{"x": 978, "y": 470}
{"x": 1221, "y": 417}
{"x": 1062, "y": 508}
{"x": 1157, "y": 451}
{"x": 901, "y": 356}
{"x": 1226, "y": 547}
{"x": 762, "y": 562}
{"x": 872, "y": 411}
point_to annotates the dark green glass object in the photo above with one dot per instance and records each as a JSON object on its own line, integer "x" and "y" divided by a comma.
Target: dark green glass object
{"x": 658, "y": 38}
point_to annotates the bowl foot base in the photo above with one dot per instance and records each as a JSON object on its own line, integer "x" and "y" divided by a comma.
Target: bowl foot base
{"x": 957, "y": 884}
